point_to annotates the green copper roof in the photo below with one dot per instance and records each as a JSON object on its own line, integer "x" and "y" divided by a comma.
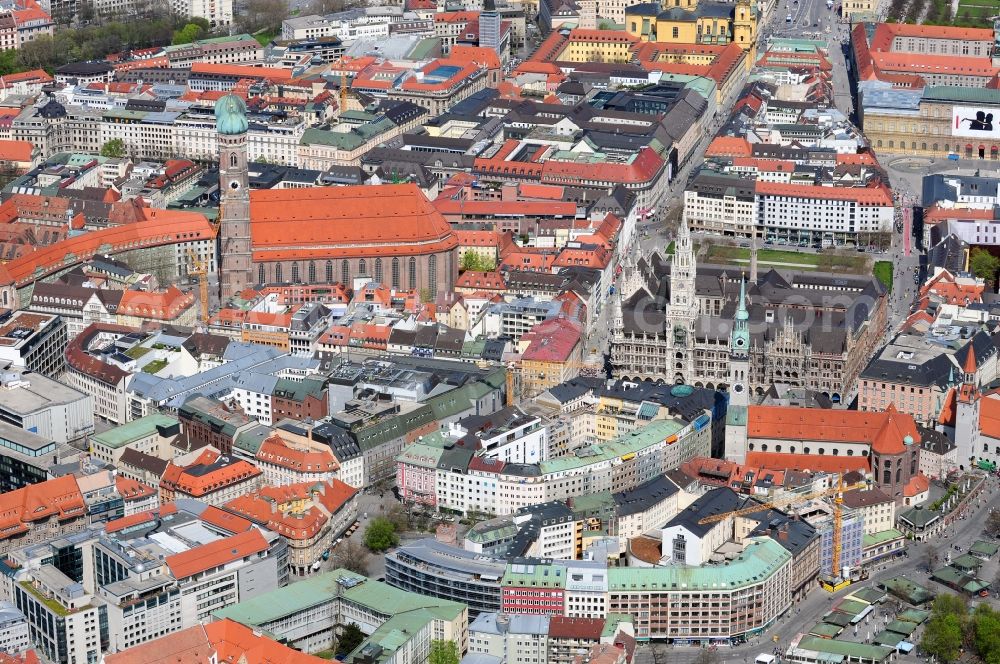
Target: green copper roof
{"x": 762, "y": 558}
{"x": 135, "y": 430}
{"x": 231, "y": 116}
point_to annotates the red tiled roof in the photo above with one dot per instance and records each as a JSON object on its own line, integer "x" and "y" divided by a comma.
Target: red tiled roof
{"x": 187, "y": 645}
{"x": 158, "y": 227}
{"x": 808, "y": 462}
{"x": 224, "y": 520}
{"x": 455, "y": 17}
{"x": 728, "y": 146}
{"x": 273, "y": 74}
{"x": 989, "y": 416}
{"x": 238, "y": 644}
{"x": 916, "y": 486}
{"x": 280, "y": 508}
{"x": 562, "y": 627}
{"x": 884, "y": 431}
{"x": 478, "y": 55}
{"x": 216, "y": 554}
{"x": 277, "y": 451}
{"x": 129, "y": 521}
{"x": 862, "y": 195}
{"x": 179, "y": 479}
{"x": 392, "y": 219}
{"x": 18, "y": 151}
{"x": 552, "y": 340}
{"x": 58, "y": 497}
{"x": 80, "y": 360}
{"x": 481, "y": 280}
{"x": 130, "y": 489}
{"x": 39, "y": 76}
{"x": 162, "y": 305}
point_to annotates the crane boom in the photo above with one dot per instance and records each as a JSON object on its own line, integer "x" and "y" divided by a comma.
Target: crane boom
{"x": 783, "y": 502}
{"x": 199, "y": 269}
{"x": 838, "y": 523}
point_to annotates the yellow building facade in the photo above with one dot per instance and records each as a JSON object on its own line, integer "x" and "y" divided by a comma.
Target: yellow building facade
{"x": 598, "y": 46}
{"x": 693, "y": 22}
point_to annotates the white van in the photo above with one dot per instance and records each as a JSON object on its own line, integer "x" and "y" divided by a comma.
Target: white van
{"x": 765, "y": 659}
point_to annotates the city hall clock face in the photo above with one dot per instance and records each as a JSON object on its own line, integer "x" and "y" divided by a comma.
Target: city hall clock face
{"x": 737, "y": 388}
{"x": 741, "y": 342}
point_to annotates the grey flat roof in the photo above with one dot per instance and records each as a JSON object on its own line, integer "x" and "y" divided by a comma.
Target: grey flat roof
{"x": 42, "y": 392}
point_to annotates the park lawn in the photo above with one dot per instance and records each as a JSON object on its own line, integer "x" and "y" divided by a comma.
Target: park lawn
{"x": 883, "y": 272}
{"x": 782, "y": 258}
{"x": 977, "y": 12}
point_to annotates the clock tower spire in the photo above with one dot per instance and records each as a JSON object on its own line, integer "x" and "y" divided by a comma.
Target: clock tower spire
{"x": 234, "y": 197}
{"x": 739, "y": 381}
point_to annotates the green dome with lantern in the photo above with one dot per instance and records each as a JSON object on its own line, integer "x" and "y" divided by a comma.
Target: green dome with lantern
{"x": 231, "y": 115}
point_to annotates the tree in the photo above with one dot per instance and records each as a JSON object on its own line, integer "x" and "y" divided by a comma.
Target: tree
{"x": 932, "y": 557}
{"x": 983, "y": 264}
{"x": 115, "y": 149}
{"x": 350, "y": 639}
{"x": 263, "y": 15}
{"x": 189, "y": 33}
{"x": 322, "y": 7}
{"x": 351, "y": 556}
{"x": 945, "y": 631}
{"x": 992, "y": 527}
{"x": 395, "y": 513}
{"x": 986, "y": 628}
{"x": 380, "y": 535}
{"x": 470, "y": 261}
{"x": 943, "y": 637}
{"x": 443, "y": 652}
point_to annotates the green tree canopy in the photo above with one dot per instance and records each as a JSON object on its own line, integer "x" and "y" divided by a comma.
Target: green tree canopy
{"x": 986, "y": 625}
{"x": 471, "y": 260}
{"x": 443, "y": 652}
{"x": 115, "y": 148}
{"x": 945, "y": 631}
{"x": 983, "y": 264}
{"x": 380, "y": 535}
{"x": 350, "y": 639}
{"x": 189, "y": 33}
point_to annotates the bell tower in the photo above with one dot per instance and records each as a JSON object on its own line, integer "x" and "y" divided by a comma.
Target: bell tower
{"x": 234, "y": 196}
{"x": 682, "y": 311}
{"x": 739, "y": 381}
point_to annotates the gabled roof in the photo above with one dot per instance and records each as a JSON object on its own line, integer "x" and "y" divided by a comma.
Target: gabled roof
{"x": 216, "y": 554}
{"x": 884, "y": 431}
{"x": 60, "y": 498}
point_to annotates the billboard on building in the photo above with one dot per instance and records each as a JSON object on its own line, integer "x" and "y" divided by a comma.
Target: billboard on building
{"x": 979, "y": 123}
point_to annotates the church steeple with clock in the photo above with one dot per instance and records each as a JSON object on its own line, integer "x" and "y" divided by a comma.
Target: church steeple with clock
{"x": 739, "y": 389}
{"x": 234, "y": 196}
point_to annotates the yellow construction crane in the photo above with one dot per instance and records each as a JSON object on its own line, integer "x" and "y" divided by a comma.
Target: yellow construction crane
{"x": 834, "y": 582}
{"x": 199, "y": 269}
{"x": 783, "y": 502}
{"x": 343, "y": 88}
